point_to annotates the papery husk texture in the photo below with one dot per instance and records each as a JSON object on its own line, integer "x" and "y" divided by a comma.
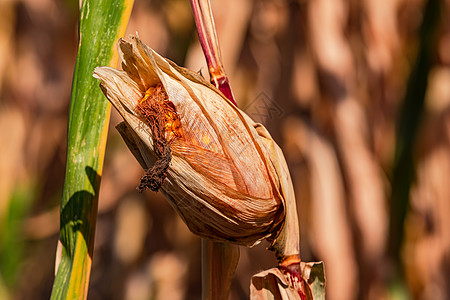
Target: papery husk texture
{"x": 227, "y": 178}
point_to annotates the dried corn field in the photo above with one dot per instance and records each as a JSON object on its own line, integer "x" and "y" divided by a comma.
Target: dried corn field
{"x": 357, "y": 94}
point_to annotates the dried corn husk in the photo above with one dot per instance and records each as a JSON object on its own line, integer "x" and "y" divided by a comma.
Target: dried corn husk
{"x": 225, "y": 178}
{"x": 275, "y": 284}
{"x": 222, "y": 172}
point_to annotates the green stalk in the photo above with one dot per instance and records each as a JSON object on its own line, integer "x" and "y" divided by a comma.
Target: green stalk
{"x": 407, "y": 130}
{"x": 102, "y": 22}
{"x": 409, "y": 123}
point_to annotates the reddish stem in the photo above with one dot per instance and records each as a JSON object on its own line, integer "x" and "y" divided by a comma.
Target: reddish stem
{"x": 207, "y": 35}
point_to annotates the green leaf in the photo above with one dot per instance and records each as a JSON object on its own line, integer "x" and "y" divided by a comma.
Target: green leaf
{"x": 102, "y": 22}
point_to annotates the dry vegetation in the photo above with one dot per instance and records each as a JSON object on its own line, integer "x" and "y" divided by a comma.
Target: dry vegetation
{"x": 328, "y": 78}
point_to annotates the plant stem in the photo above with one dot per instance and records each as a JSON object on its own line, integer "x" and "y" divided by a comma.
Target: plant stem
{"x": 207, "y": 35}
{"x": 219, "y": 262}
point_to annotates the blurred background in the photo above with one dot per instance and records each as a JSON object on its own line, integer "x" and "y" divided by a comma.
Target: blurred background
{"x": 357, "y": 93}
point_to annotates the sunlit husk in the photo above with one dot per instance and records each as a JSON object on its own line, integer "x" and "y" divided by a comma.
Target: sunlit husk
{"x": 275, "y": 284}
{"x": 227, "y": 178}
{"x": 272, "y": 284}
